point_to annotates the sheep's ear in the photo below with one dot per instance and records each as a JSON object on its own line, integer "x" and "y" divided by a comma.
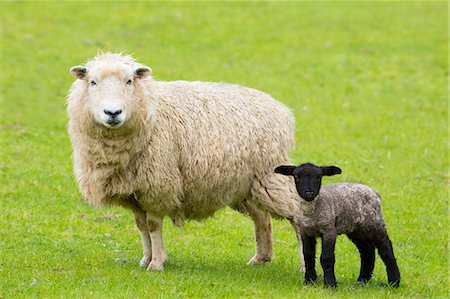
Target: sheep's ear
{"x": 79, "y": 71}
{"x": 285, "y": 169}
{"x": 330, "y": 170}
{"x": 142, "y": 72}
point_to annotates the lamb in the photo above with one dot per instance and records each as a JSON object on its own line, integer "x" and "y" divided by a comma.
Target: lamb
{"x": 178, "y": 149}
{"x": 341, "y": 208}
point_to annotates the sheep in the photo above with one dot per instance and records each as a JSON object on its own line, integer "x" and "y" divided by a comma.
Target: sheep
{"x": 178, "y": 149}
{"x": 341, "y": 208}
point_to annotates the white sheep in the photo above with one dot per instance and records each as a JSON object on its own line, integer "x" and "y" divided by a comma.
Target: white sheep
{"x": 342, "y": 208}
{"x": 178, "y": 149}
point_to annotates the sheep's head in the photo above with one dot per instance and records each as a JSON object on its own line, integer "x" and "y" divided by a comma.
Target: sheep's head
{"x": 308, "y": 177}
{"x": 110, "y": 82}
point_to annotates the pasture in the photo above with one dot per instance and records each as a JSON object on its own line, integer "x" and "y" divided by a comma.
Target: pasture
{"x": 366, "y": 81}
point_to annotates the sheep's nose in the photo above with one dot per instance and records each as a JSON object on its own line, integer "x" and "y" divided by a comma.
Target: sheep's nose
{"x": 309, "y": 193}
{"x": 112, "y": 113}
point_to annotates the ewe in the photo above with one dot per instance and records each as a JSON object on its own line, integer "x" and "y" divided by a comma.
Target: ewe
{"x": 342, "y": 208}
{"x": 178, "y": 149}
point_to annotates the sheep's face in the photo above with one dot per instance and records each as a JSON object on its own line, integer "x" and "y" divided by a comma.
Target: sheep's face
{"x": 308, "y": 177}
{"x": 111, "y": 95}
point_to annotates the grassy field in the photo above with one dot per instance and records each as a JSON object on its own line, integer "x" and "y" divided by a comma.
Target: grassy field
{"x": 366, "y": 81}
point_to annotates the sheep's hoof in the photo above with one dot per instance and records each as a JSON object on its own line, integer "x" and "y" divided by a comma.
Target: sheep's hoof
{"x": 302, "y": 269}
{"x": 259, "y": 260}
{"x": 332, "y": 284}
{"x": 362, "y": 281}
{"x": 311, "y": 278}
{"x": 394, "y": 283}
{"x": 145, "y": 261}
{"x": 155, "y": 266}
{"x": 310, "y": 281}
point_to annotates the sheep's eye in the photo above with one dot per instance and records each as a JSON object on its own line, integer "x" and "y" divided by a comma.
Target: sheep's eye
{"x": 129, "y": 82}
{"x": 93, "y": 83}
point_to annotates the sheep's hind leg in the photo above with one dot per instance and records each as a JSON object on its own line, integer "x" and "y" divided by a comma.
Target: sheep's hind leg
{"x": 263, "y": 231}
{"x": 367, "y": 253}
{"x": 158, "y": 252}
{"x": 386, "y": 253}
{"x": 141, "y": 223}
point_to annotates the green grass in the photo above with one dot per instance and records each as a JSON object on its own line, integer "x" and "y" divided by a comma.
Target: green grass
{"x": 366, "y": 81}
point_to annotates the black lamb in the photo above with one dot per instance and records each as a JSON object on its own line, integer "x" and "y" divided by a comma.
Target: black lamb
{"x": 342, "y": 208}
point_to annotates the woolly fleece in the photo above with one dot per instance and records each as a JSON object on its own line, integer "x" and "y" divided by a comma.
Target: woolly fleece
{"x": 189, "y": 148}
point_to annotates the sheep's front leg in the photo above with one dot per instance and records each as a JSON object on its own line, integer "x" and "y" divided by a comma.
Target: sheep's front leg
{"x": 141, "y": 222}
{"x": 299, "y": 239}
{"x": 309, "y": 252}
{"x": 327, "y": 259}
{"x": 158, "y": 252}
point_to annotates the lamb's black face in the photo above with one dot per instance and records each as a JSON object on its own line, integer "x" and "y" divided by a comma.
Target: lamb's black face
{"x": 308, "y": 180}
{"x": 308, "y": 177}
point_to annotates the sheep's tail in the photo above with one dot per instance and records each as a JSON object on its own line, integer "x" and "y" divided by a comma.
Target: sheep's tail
{"x": 277, "y": 194}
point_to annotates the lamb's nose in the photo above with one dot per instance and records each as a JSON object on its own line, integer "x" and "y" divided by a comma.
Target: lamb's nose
{"x": 309, "y": 193}
{"x": 112, "y": 113}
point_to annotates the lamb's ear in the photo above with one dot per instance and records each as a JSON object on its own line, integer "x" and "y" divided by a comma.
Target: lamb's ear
{"x": 79, "y": 71}
{"x": 142, "y": 72}
{"x": 285, "y": 169}
{"x": 330, "y": 170}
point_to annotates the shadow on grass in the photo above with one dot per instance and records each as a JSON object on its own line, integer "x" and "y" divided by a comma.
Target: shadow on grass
{"x": 214, "y": 272}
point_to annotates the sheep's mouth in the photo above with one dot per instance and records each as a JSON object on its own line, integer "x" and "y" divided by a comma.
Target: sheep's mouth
{"x": 309, "y": 198}
{"x": 307, "y": 195}
{"x": 113, "y": 124}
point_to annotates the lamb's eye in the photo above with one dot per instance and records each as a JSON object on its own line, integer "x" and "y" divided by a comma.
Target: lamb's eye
{"x": 93, "y": 83}
{"x": 129, "y": 82}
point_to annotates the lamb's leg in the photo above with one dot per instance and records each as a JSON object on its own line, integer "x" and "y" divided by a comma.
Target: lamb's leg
{"x": 309, "y": 251}
{"x": 158, "y": 252}
{"x": 263, "y": 231}
{"x": 141, "y": 223}
{"x": 327, "y": 259}
{"x": 386, "y": 253}
{"x": 367, "y": 253}
{"x": 367, "y": 263}
{"x": 299, "y": 239}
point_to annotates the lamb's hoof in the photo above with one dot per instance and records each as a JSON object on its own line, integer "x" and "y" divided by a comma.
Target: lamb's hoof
{"x": 310, "y": 282}
{"x": 394, "y": 283}
{"x": 145, "y": 261}
{"x": 302, "y": 269}
{"x": 155, "y": 266}
{"x": 330, "y": 284}
{"x": 362, "y": 281}
{"x": 259, "y": 260}
{"x": 311, "y": 278}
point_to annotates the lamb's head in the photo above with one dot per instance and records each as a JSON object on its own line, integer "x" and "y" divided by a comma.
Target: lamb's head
{"x": 308, "y": 177}
{"x": 111, "y": 85}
